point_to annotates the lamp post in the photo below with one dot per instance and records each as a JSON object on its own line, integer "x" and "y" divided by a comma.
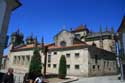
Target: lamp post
{"x": 44, "y": 51}
{"x": 119, "y": 56}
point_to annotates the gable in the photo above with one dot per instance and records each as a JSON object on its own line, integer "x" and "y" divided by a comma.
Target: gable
{"x": 64, "y": 37}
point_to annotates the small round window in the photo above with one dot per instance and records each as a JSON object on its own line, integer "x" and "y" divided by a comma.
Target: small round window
{"x": 63, "y": 43}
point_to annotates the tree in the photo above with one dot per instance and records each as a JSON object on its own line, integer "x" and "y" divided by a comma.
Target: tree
{"x": 35, "y": 64}
{"x": 62, "y": 67}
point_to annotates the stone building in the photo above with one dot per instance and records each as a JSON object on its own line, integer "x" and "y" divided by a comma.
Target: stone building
{"x": 103, "y": 39}
{"x": 6, "y": 7}
{"x": 83, "y": 59}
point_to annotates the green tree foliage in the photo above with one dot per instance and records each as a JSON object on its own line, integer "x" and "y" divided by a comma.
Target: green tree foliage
{"x": 35, "y": 64}
{"x": 62, "y": 67}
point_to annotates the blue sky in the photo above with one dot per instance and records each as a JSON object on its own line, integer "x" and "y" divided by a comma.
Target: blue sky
{"x": 48, "y": 17}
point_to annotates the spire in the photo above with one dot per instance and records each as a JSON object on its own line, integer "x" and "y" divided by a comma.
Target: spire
{"x": 42, "y": 41}
{"x": 85, "y": 25}
{"x": 100, "y": 29}
{"x": 106, "y": 29}
{"x": 112, "y": 29}
{"x": 31, "y": 34}
{"x": 70, "y": 29}
{"x": 18, "y": 31}
{"x": 42, "y": 44}
{"x": 35, "y": 42}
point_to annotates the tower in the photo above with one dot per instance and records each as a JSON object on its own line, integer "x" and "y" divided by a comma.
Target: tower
{"x": 6, "y": 7}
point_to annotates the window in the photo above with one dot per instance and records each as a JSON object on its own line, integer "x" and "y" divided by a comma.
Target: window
{"x": 63, "y": 43}
{"x": 76, "y": 54}
{"x": 98, "y": 67}
{"x": 77, "y": 36}
{"x": 68, "y": 55}
{"x": 84, "y": 33}
{"x": 55, "y": 53}
{"x": 76, "y": 66}
{"x": 68, "y": 66}
{"x": 104, "y": 64}
{"x": 49, "y": 65}
{"x": 107, "y": 63}
{"x": 49, "y": 58}
{"x": 96, "y": 60}
{"x": 93, "y": 66}
{"x": 14, "y": 61}
{"x": 54, "y": 65}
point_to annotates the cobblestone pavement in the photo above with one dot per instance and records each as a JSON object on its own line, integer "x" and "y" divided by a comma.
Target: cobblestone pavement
{"x": 102, "y": 79}
{"x": 54, "y": 80}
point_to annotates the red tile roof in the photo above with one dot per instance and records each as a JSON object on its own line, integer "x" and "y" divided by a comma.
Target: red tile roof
{"x": 50, "y": 46}
{"x": 75, "y": 45}
{"x": 80, "y": 28}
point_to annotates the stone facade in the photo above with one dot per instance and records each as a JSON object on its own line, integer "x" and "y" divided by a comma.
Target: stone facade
{"x": 83, "y": 59}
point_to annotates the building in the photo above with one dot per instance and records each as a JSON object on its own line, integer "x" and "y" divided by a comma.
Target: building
{"x": 121, "y": 46}
{"x": 103, "y": 39}
{"x": 6, "y": 7}
{"x": 83, "y": 59}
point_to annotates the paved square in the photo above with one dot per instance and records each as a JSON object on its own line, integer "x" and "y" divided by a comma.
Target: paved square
{"x": 102, "y": 79}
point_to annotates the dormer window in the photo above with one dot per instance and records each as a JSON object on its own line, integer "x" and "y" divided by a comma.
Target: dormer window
{"x": 63, "y": 43}
{"x": 77, "y": 36}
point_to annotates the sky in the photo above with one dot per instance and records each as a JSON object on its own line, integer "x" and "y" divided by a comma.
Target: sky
{"x": 47, "y": 17}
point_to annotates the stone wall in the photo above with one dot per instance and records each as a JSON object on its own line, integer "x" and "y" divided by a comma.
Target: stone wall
{"x": 77, "y": 61}
{"x": 102, "y": 63}
{"x": 64, "y": 36}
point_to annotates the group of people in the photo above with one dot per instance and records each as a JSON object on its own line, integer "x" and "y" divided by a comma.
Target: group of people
{"x": 33, "y": 79}
{"x": 9, "y": 78}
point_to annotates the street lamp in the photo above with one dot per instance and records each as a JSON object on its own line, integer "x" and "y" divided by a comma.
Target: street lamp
{"x": 119, "y": 55}
{"x": 44, "y": 51}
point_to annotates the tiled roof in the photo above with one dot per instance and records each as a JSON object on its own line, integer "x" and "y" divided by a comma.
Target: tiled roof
{"x": 80, "y": 28}
{"x": 50, "y": 46}
{"x": 30, "y": 46}
{"x": 75, "y": 45}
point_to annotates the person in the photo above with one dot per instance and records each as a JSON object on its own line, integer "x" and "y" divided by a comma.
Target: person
{"x": 38, "y": 79}
{"x": 8, "y": 77}
{"x": 26, "y": 79}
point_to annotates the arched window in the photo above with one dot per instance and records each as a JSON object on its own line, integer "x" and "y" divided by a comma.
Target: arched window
{"x": 63, "y": 43}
